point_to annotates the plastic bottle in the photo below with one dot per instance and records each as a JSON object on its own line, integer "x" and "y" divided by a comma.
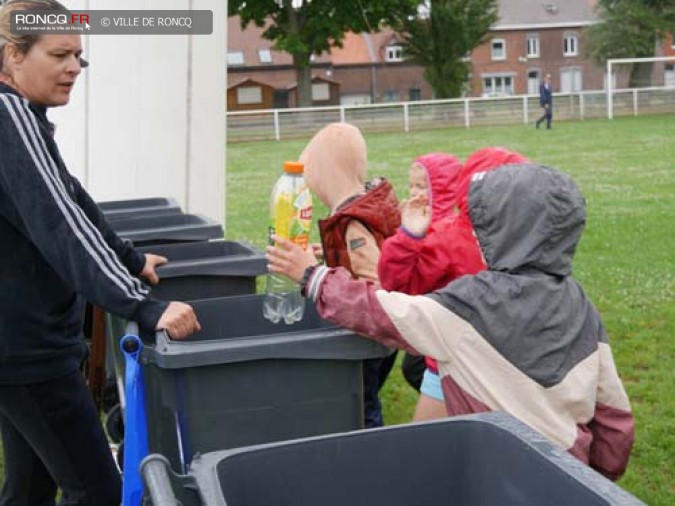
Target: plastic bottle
{"x": 290, "y": 218}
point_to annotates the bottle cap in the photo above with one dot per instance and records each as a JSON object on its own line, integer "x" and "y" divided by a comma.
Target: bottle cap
{"x": 294, "y": 167}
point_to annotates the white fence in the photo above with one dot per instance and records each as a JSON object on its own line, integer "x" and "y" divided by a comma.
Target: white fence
{"x": 424, "y": 115}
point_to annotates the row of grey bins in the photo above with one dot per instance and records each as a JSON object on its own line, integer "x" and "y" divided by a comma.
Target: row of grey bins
{"x": 250, "y": 413}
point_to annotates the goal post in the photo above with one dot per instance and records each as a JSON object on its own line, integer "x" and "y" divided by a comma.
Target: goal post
{"x": 612, "y": 64}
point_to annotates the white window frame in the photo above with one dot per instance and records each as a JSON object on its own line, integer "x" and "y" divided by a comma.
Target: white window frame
{"x": 393, "y": 53}
{"x": 532, "y": 45}
{"x": 493, "y": 90}
{"x": 320, "y": 92}
{"x": 247, "y": 95}
{"x": 570, "y": 44}
{"x": 265, "y": 55}
{"x": 235, "y": 58}
{"x": 577, "y": 77}
{"x": 492, "y": 49}
{"x": 534, "y": 90}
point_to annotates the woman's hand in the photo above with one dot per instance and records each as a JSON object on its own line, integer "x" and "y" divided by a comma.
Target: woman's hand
{"x": 416, "y": 215}
{"x": 289, "y": 259}
{"x": 152, "y": 261}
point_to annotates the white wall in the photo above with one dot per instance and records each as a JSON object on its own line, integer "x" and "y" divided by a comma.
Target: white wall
{"x": 147, "y": 118}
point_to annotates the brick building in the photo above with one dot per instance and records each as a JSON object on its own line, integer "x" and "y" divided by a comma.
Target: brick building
{"x": 530, "y": 39}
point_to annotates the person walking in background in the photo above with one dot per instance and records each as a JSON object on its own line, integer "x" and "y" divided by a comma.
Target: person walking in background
{"x": 546, "y": 101}
{"x": 57, "y": 250}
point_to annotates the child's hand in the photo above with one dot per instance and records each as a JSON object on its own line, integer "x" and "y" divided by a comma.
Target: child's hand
{"x": 317, "y": 249}
{"x": 289, "y": 259}
{"x": 416, "y": 215}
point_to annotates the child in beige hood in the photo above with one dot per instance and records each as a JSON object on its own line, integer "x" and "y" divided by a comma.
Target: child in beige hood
{"x": 362, "y": 216}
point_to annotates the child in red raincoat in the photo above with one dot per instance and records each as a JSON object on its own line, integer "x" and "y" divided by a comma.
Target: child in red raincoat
{"x": 436, "y": 245}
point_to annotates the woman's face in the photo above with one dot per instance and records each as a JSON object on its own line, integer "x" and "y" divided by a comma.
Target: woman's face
{"x": 417, "y": 181}
{"x": 47, "y": 73}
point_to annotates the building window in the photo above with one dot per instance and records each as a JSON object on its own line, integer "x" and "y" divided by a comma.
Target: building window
{"x": 390, "y": 96}
{"x": 498, "y": 85}
{"x": 320, "y": 92}
{"x": 249, "y": 95}
{"x": 570, "y": 44}
{"x": 533, "y": 46}
{"x": 394, "y": 52}
{"x": 235, "y": 58}
{"x": 414, "y": 94}
{"x": 265, "y": 55}
{"x": 498, "y": 49}
{"x": 669, "y": 76}
{"x": 533, "y": 82}
{"x": 571, "y": 80}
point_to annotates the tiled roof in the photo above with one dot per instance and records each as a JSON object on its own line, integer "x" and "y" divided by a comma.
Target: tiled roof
{"x": 239, "y": 82}
{"x": 357, "y": 48}
{"x": 519, "y": 13}
{"x": 250, "y": 41}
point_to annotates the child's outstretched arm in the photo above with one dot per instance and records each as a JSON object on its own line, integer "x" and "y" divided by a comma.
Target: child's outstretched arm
{"x": 394, "y": 319}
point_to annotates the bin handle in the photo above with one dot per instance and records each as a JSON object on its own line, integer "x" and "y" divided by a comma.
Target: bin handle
{"x": 155, "y": 472}
{"x": 132, "y": 329}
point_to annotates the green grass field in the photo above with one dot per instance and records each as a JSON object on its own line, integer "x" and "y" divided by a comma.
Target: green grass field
{"x": 626, "y": 260}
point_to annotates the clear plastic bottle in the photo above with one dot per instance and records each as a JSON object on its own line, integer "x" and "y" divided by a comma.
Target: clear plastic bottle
{"x": 290, "y": 218}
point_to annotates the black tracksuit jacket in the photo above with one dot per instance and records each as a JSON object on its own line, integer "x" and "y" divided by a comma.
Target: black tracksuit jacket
{"x": 56, "y": 250}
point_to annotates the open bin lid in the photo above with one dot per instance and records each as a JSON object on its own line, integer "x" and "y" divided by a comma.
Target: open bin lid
{"x": 209, "y": 258}
{"x": 153, "y": 206}
{"x": 169, "y": 228}
{"x": 234, "y": 330}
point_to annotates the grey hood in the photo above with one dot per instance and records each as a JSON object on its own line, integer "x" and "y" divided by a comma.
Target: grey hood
{"x": 527, "y": 217}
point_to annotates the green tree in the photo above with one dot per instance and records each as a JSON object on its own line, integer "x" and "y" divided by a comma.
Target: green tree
{"x": 441, "y": 40}
{"x": 630, "y": 29}
{"x": 305, "y": 27}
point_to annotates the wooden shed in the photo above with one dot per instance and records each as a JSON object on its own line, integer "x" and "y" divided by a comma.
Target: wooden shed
{"x": 324, "y": 92}
{"x": 248, "y": 94}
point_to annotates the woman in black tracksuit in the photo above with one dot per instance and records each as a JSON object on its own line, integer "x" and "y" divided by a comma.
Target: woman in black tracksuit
{"x": 56, "y": 251}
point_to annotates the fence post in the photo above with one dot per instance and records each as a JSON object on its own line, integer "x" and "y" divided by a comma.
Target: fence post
{"x": 342, "y": 114}
{"x": 277, "y": 132}
{"x": 610, "y": 97}
{"x": 406, "y": 118}
{"x": 525, "y": 109}
{"x": 635, "y": 102}
{"x": 581, "y": 106}
{"x": 467, "y": 119}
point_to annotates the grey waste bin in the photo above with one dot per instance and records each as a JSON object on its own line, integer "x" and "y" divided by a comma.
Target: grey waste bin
{"x": 207, "y": 269}
{"x": 153, "y": 230}
{"x": 482, "y": 460}
{"x": 196, "y": 270}
{"x": 243, "y": 380}
{"x": 154, "y": 206}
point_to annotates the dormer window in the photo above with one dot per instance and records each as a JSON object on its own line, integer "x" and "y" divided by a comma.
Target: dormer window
{"x": 235, "y": 58}
{"x": 265, "y": 55}
{"x": 393, "y": 53}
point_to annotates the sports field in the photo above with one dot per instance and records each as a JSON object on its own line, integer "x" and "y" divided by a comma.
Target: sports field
{"x": 626, "y": 259}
